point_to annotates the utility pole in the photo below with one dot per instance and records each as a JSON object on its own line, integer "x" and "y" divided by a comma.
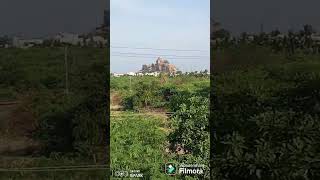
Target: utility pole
{"x": 130, "y": 84}
{"x": 66, "y": 69}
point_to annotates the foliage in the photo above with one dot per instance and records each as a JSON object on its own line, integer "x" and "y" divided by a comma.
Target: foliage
{"x": 190, "y": 125}
{"x": 73, "y": 122}
{"x": 153, "y": 92}
{"x": 186, "y": 96}
{"x": 138, "y": 146}
{"x": 55, "y": 160}
{"x": 266, "y": 119}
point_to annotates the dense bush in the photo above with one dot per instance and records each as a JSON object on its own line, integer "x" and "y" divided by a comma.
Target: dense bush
{"x": 138, "y": 146}
{"x": 145, "y": 96}
{"x": 190, "y": 130}
{"x": 283, "y": 145}
{"x": 266, "y": 121}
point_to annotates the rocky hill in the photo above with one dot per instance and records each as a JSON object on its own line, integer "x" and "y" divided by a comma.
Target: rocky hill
{"x": 161, "y": 65}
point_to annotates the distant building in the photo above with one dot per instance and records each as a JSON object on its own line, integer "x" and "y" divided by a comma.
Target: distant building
{"x": 153, "y": 74}
{"x": 5, "y": 42}
{"x": 135, "y": 74}
{"x": 131, "y": 74}
{"x": 68, "y": 38}
{"x": 117, "y": 75}
{"x": 99, "y": 41}
{"x": 96, "y": 38}
{"x": 315, "y": 37}
{"x": 251, "y": 38}
{"x": 25, "y": 43}
{"x": 161, "y": 65}
{"x": 81, "y": 40}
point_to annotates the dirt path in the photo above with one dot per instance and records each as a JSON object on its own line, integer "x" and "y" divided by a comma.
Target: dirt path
{"x": 6, "y": 109}
{"x": 16, "y": 127}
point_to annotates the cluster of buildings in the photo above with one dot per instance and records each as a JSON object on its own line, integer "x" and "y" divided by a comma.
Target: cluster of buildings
{"x": 135, "y": 74}
{"x": 161, "y": 66}
{"x": 60, "y": 39}
{"x": 155, "y": 69}
{"x": 205, "y": 72}
{"x": 96, "y": 38}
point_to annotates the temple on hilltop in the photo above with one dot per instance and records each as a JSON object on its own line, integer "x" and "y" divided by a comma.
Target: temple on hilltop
{"x": 161, "y": 65}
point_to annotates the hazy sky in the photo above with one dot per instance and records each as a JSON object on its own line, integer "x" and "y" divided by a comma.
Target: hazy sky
{"x": 247, "y": 15}
{"x": 42, "y": 17}
{"x": 165, "y": 24}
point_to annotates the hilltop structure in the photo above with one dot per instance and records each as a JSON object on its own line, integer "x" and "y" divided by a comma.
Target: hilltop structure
{"x": 161, "y": 65}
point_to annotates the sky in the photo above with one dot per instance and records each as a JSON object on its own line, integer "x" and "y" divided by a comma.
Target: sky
{"x": 247, "y": 15}
{"x": 177, "y": 30}
{"x": 43, "y": 17}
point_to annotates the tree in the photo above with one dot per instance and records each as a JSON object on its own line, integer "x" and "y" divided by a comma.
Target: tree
{"x": 179, "y": 73}
{"x": 308, "y": 29}
{"x": 190, "y": 124}
{"x": 221, "y": 34}
{"x": 275, "y": 33}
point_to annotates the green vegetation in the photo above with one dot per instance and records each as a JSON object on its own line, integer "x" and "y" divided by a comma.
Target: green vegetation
{"x": 54, "y": 160}
{"x": 137, "y": 143}
{"x": 68, "y": 121}
{"x": 265, "y": 114}
{"x": 144, "y": 138}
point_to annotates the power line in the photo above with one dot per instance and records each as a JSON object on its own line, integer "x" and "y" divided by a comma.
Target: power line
{"x": 172, "y": 58}
{"x": 166, "y": 55}
{"x": 158, "y": 49}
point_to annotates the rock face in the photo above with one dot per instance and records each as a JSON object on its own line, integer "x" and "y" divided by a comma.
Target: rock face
{"x": 161, "y": 65}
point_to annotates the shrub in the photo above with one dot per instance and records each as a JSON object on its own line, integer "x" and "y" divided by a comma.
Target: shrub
{"x": 190, "y": 125}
